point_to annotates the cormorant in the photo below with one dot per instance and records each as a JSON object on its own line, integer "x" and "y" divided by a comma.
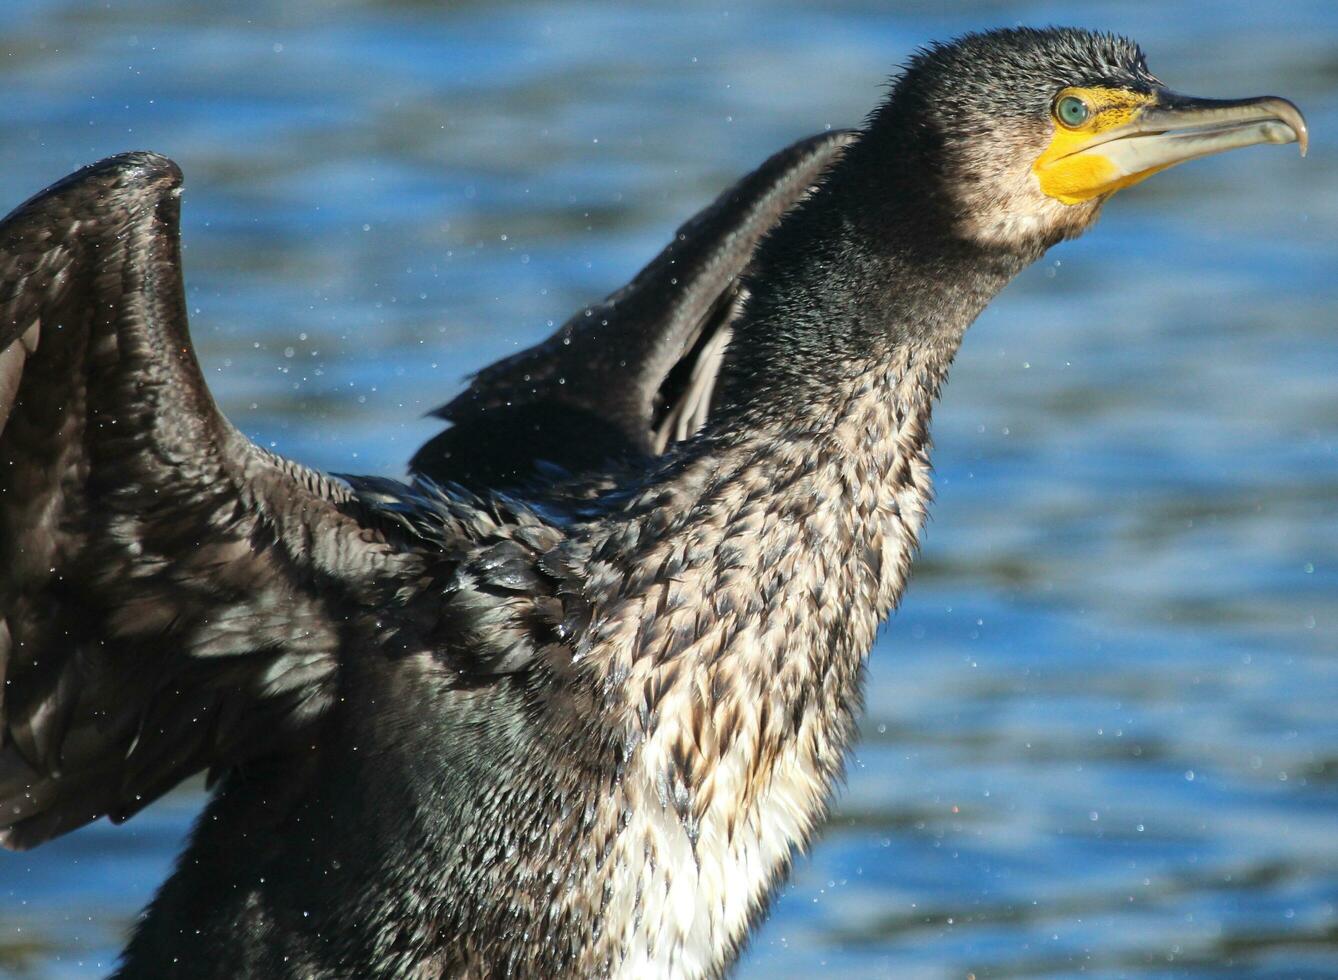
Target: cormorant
{"x": 567, "y": 702}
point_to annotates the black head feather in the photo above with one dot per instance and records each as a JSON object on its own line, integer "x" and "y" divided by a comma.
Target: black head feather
{"x": 1013, "y": 72}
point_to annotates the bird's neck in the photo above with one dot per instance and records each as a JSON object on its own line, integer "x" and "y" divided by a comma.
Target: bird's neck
{"x": 798, "y": 508}
{"x": 857, "y": 305}
{"x": 871, "y": 270}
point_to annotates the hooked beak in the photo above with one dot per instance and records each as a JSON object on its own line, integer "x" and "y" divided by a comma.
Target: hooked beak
{"x": 1170, "y": 130}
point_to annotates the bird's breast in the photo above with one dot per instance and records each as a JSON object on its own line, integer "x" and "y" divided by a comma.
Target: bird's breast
{"x": 739, "y": 654}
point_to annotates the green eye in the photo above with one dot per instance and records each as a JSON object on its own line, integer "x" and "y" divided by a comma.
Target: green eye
{"x": 1072, "y": 111}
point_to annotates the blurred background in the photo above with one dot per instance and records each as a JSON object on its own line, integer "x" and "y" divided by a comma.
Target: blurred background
{"x": 1102, "y": 732}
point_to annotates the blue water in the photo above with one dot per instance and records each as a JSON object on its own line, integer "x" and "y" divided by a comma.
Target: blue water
{"x": 1102, "y": 733}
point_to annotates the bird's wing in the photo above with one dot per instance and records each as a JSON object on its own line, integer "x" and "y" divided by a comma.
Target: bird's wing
{"x": 168, "y": 591}
{"x": 635, "y": 372}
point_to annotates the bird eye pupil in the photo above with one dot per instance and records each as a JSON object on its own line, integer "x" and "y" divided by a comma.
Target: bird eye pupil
{"x": 1072, "y": 110}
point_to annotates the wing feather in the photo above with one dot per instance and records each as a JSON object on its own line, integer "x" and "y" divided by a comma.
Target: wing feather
{"x": 631, "y": 374}
{"x": 170, "y": 594}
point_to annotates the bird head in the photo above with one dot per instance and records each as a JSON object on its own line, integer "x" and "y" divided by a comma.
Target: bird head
{"x": 1025, "y": 133}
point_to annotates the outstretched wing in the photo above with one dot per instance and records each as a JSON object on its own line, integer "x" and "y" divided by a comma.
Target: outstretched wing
{"x": 632, "y": 374}
{"x": 169, "y": 592}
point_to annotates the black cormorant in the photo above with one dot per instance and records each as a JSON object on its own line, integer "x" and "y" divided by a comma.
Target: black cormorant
{"x": 567, "y": 703}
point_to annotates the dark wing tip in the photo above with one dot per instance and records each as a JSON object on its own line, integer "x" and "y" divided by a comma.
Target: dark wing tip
{"x": 92, "y": 208}
{"x": 140, "y": 170}
{"x": 106, "y": 186}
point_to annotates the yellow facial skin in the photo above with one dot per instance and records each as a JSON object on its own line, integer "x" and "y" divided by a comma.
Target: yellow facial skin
{"x": 1072, "y": 178}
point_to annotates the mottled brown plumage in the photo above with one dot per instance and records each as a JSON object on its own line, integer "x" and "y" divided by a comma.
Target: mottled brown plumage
{"x": 567, "y": 703}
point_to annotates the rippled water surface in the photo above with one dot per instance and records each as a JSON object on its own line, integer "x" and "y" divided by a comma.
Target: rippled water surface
{"x": 1102, "y": 732}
